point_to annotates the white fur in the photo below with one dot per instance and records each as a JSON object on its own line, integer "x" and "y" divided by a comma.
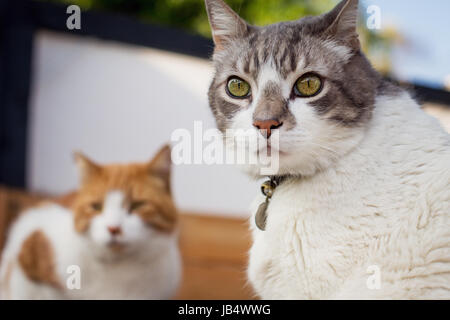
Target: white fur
{"x": 148, "y": 268}
{"x": 384, "y": 201}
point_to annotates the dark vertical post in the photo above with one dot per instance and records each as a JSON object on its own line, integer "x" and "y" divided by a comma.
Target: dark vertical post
{"x": 16, "y": 41}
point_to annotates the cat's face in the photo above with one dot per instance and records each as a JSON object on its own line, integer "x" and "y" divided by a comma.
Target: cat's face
{"x": 124, "y": 208}
{"x": 306, "y": 79}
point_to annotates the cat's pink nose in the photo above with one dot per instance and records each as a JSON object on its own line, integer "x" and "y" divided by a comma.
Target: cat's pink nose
{"x": 115, "y": 230}
{"x": 266, "y": 126}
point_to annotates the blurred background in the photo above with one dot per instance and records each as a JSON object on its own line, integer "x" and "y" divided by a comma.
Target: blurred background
{"x": 137, "y": 70}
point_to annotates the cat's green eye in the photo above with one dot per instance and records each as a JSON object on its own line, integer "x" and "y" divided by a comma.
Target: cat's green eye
{"x": 238, "y": 88}
{"x": 308, "y": 85}
{"x": 96, "y": 206}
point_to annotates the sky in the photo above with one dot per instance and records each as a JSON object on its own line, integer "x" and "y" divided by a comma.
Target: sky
{"x": 426, "y": 27}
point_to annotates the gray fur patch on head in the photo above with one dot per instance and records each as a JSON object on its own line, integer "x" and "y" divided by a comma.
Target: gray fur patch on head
{"x": 351, "y": 95}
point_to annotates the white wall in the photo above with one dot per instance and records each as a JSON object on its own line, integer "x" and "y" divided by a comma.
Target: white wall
{"x": 120, "y": 103}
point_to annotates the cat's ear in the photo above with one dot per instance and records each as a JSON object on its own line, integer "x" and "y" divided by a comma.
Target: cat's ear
{"x": 86, "y": 167}
{"x": 226, "y": 24}
{"x": 343, "y": 23}
{"x": 161, "y": 165}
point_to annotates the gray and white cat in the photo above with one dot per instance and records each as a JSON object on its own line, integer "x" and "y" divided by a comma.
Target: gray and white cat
{"x": 364, "y": 210}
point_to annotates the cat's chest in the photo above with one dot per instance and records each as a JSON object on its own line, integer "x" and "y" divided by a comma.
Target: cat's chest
{"x": 110, "y": 281}
{"x": 311, "y": 241}
{"x": 136, "y": 277}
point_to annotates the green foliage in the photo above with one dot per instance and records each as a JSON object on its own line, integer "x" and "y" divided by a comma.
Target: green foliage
{"x": 191, "y": 15}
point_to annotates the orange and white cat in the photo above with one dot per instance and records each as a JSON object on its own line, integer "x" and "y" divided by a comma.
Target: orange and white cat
{"x": 115, "y": 238}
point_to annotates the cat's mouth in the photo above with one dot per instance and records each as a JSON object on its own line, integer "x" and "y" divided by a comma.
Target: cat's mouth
{"x": 269, "y": 150}
{"x": 116, "y": 245}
